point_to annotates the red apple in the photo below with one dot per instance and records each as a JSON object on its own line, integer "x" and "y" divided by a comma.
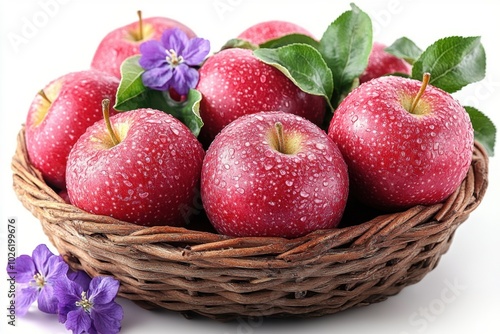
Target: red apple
{"x": 124, "y": 42}
{"x": 60, "y": 114}
{"x": 273, "y": 174}
{"x": 382, "y": 63}
{"x": 268, "y": 30}
{"x": 148, "y": 174}
{"x": 406, "y": 143}
{"x": 234, "y": 83}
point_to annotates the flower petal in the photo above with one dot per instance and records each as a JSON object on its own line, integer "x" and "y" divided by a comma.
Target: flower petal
{"x": 103, "y": 289}
{"x": 41, "y": 256}
{"x": 57, "y": 269}
{"x": 196, "y": 51}
{"x": 47, "y": 302}
{"x": 67, "y": 293}
{"x": 174, "y": 39}
{"x": 25, "y": 268}
{"x": 153, "y": 55}
{"x": 157, "y": 78}
{"x": 25, "y": 296}
{"x": 184, "y": 79}
{"x": 80, "y": 277}
{"x": 107, "y": 318}
{"x": 78, "y": 321}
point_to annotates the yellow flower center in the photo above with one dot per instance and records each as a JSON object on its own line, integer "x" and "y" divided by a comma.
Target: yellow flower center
{"x": 84, "y": 302}
{"x": 39, "y": 280}
{"x": 173, "y": 59}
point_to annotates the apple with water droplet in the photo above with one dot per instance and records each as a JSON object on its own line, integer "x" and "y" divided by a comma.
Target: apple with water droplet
{"x": 234, "y": 83}
{"x": 124, "y": 42}
{"x": 381, "y": 62}
{"x": 406, "y": 142}
{"x": 268, "y": 30}
{"x": 273, "y": 174}
{"x": 141, "y": 166}
{"x": 59, "y": 114}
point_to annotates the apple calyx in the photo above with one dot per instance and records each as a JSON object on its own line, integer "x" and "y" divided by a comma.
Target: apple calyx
{"x": 413, "y": 108}
{"x": 111, "y": 131}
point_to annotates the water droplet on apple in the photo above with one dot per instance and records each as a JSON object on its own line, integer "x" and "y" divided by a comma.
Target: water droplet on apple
{"x": 247, "y": 144}
{"x": 272, "y": 203}
{"x": 268, "y": 166}
{"x": 240, "y": 190}
{"x": 289, "y": 183}
{"x": 354, "y": 119}
{"x": 175, "y": 131}
{"x": 325, "y": 184}
{"x": 419, "y": 140}
{"x": 303, "y": 218}
{"x": 320, "y": 146}
{"x": 318, "y": 200}
{"x": 143, "y": 195}
{"x": 263, "y": 78}
{"x": 226, "y": 166}
{"x": 304, "y": 194}
{"x": 128, "y": 183}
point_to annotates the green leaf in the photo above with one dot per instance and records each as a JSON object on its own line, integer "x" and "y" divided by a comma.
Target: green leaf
{"x": 404, "y": 48}
{"x": 453, "y": 62}
{"x": 188, "y": 111}
{"x": 132, "y": 94}
{"x": 302, "y": 64}
{"x": 290, "y": 39}
{"x": 239, "y": 43}
{"x": 346, "y": 46}
{"x": 131, "y": 88}
{"x": 484, "y": 130}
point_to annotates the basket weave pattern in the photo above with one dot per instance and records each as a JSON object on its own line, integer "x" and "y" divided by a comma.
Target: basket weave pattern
{"x": 222, "y": 277}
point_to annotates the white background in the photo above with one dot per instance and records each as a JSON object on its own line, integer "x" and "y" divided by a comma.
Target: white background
{"x": 65, "y": 40}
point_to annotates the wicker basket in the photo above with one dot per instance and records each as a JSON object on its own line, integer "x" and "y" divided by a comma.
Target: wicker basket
{"x": 201, "y": 272}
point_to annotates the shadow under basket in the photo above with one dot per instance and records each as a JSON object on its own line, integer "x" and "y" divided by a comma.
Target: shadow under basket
{"x": 221, "y": 277}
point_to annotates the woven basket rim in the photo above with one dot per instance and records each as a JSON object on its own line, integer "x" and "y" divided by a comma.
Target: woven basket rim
{"x": 93, "y": 243}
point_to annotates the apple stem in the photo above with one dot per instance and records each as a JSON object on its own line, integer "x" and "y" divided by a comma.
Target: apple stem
{"x": 141, "y": 33}
{"x": 280, "y": 136}
{"x": 105, "y": 112}
{"x": 425, "y": 82}
{"x": 44, "y": 96}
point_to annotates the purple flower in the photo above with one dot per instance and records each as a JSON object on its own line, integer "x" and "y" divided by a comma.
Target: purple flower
{"x": 36, "y": 277}
{"x": 93, "y": 310}
{"x": 169, "y": 63}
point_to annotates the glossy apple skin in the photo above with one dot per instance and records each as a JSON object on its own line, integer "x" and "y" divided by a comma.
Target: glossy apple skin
{"x": 382, "y": 63}
{"x": 250, "y": 189}
{"x": 268, "y": 30}
{"x": 149, "y": 178}
{"x": 396, "y": 159}
{"x": 234, "y": 83}
{"x": 76, "y": 104}
{"x": 120, "y": 44}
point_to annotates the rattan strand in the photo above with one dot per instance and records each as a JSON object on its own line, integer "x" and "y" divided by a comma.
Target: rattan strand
{"x": 196, "y": 272}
